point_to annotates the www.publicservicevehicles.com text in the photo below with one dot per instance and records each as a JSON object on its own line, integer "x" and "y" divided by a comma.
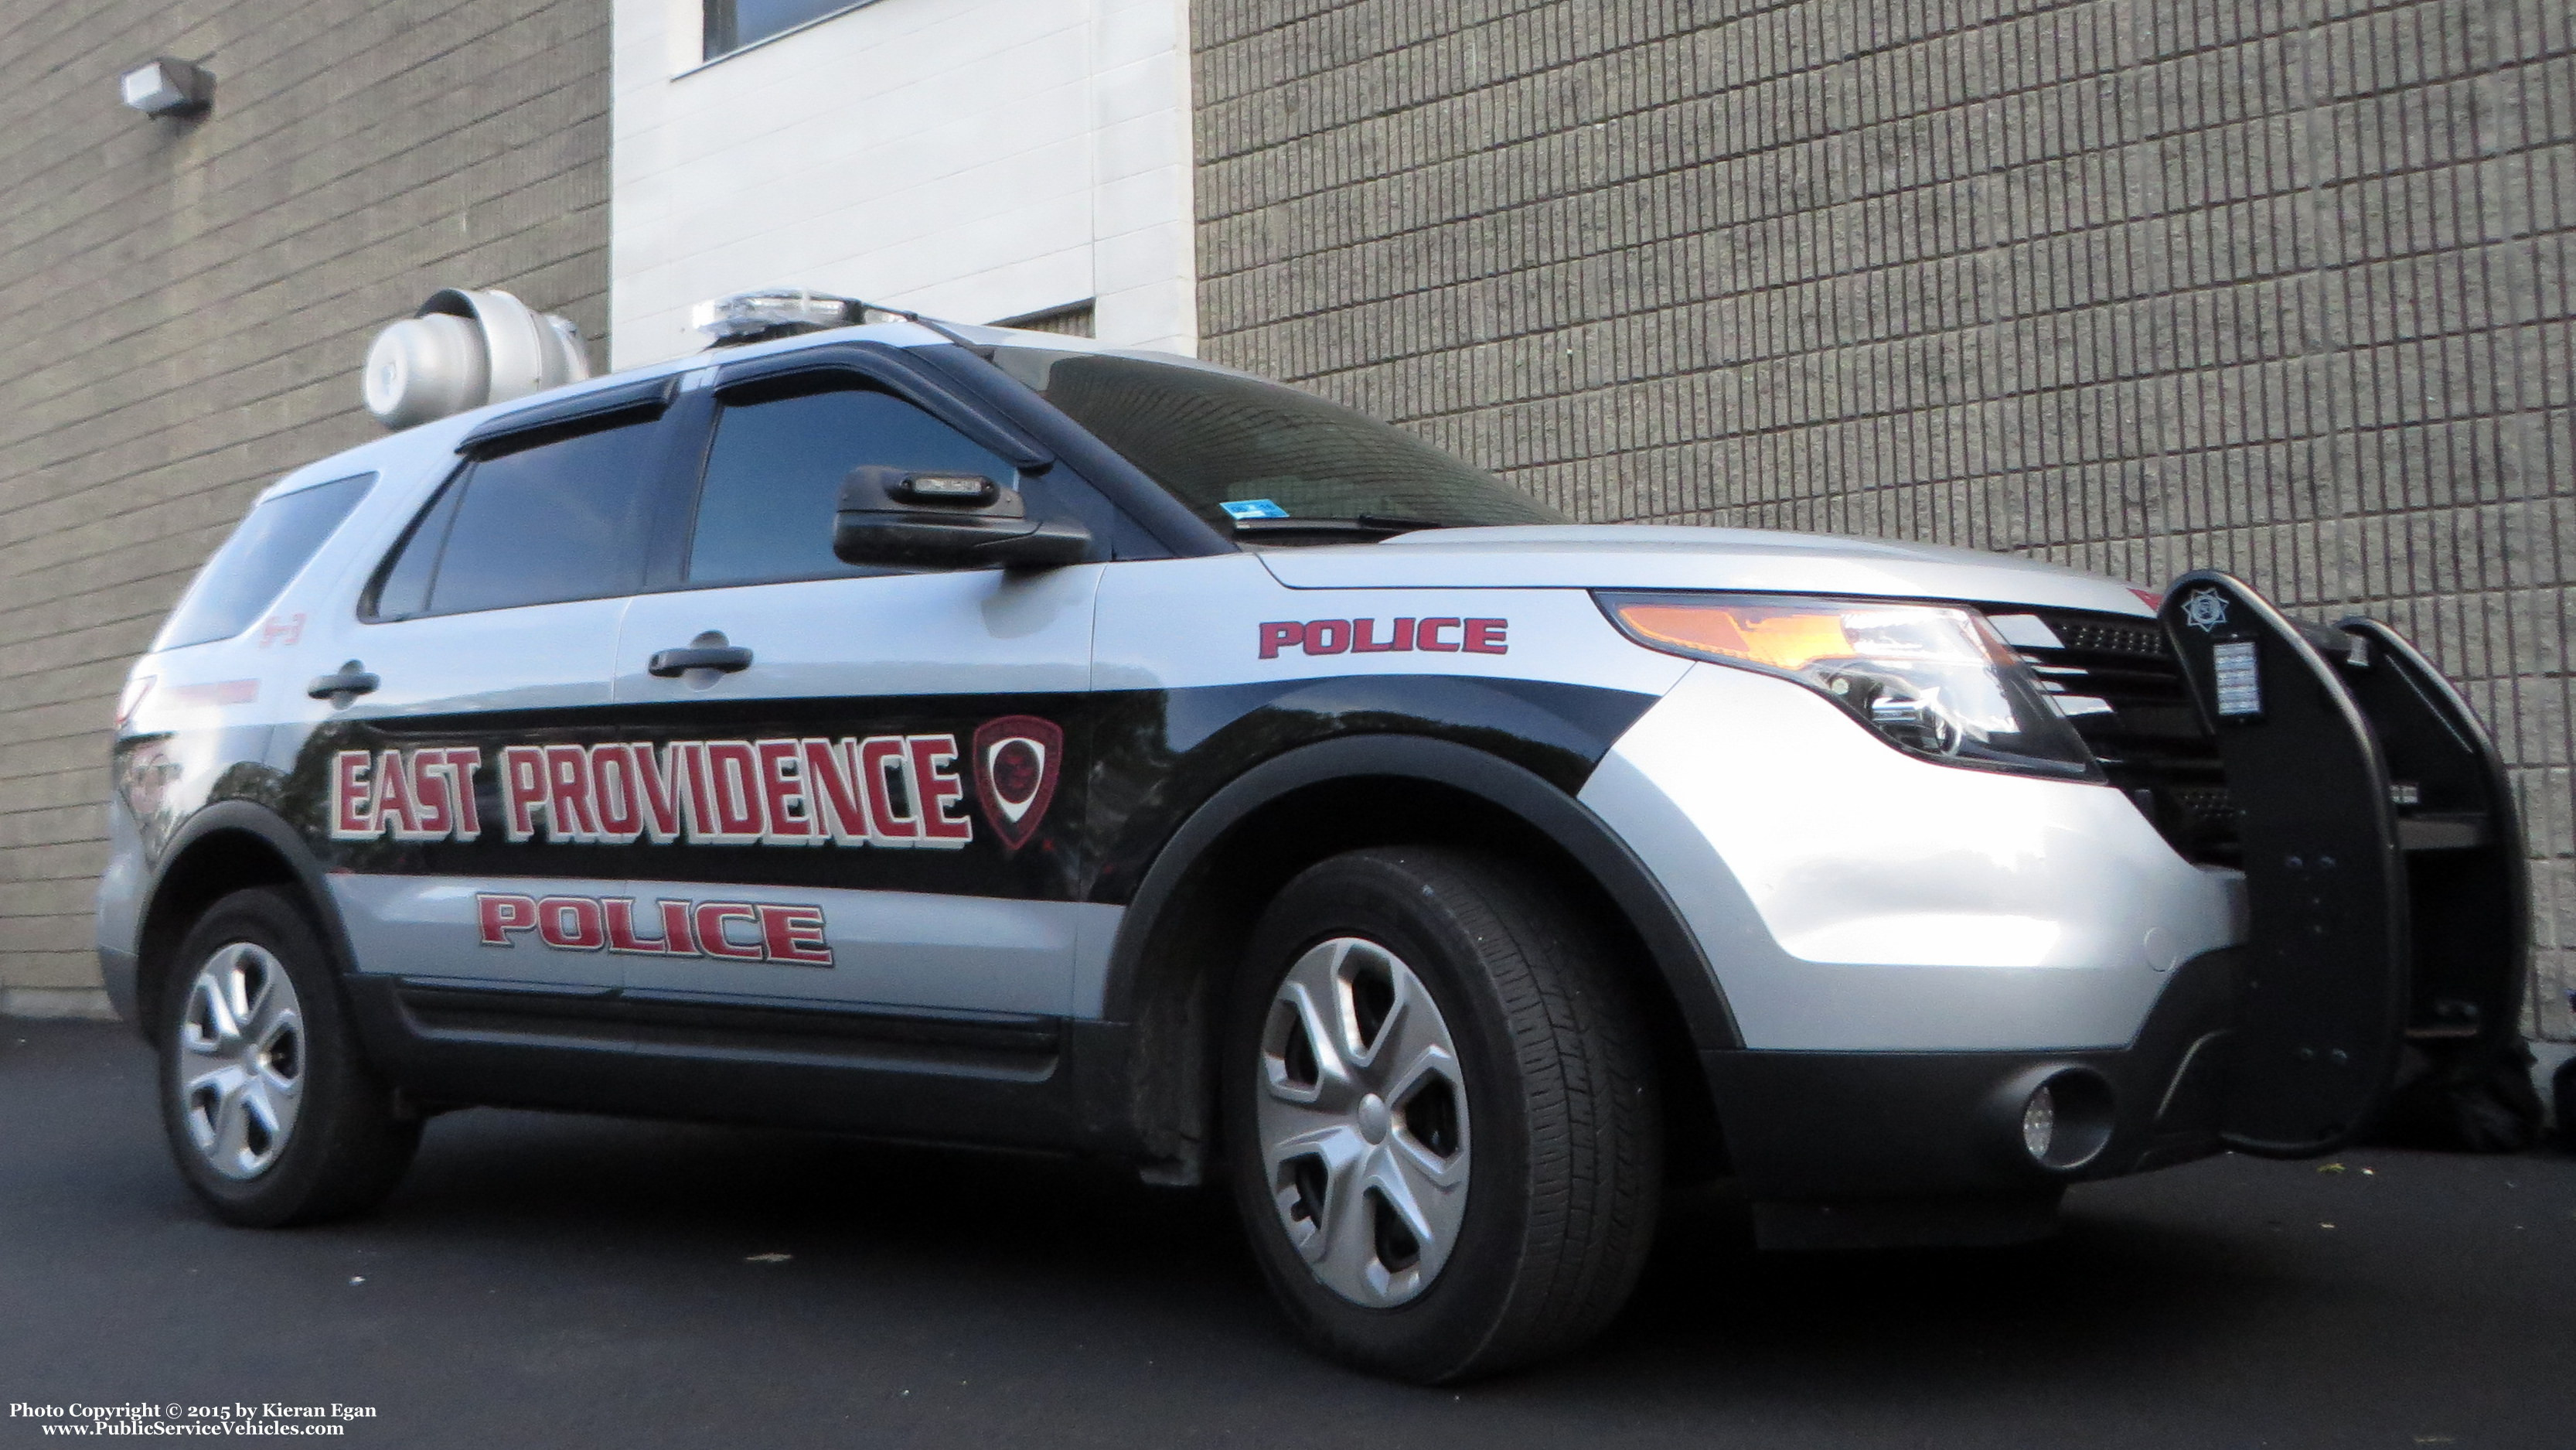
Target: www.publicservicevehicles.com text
{"x": 267, "y": 1417}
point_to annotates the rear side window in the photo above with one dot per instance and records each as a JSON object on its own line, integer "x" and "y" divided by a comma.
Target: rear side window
{"x": 773, "y": 479}
{"x": 565, "y": 519}
{"x": 246, "y": 574}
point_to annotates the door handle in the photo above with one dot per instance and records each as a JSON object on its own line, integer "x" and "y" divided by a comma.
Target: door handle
{"x": 351, "y": 679}
{"x": 670, "y": 664}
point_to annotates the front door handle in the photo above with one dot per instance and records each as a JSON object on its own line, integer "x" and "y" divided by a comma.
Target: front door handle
{"x": 724, "y": 659}
{"x": 350, "y": 681}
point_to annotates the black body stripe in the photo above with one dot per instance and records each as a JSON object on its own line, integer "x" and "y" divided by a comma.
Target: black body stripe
{"x": 1140, "y": 763}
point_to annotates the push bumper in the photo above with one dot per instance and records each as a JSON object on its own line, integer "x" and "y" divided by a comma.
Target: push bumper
{"x": 2387, "y": 911}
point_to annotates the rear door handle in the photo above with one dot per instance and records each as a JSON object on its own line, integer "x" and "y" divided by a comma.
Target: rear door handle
{"x": 351, "y": 679}
{"x": 670, "y": 664}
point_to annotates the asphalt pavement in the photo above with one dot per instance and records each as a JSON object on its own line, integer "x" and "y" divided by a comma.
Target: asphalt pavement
{"x": 546, "y": 1280}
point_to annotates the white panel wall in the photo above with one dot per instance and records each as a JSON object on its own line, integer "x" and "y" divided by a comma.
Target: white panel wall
{"x": 973, "y": 159}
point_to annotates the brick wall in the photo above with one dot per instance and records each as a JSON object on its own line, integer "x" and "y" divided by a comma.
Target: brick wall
{"x": 2282, "y": 286}
{"x": 183, "y": 309}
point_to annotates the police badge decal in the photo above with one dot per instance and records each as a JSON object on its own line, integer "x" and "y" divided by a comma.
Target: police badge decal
{"x": 1017, "y": 761}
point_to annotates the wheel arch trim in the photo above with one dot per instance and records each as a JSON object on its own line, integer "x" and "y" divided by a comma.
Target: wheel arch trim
{"x": 1619, "y": 873}
{"x": 238, "y": 817}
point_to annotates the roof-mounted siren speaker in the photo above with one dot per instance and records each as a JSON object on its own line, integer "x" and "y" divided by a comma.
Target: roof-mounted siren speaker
{"x": 465, "y": 349}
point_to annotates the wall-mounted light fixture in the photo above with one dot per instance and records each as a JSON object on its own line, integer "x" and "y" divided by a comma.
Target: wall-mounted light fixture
{"x": 169, "y": 87}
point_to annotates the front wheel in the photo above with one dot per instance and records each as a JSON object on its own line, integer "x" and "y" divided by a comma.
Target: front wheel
{"x": 271, "y": 1112}
{"x": 1441, "y": 1123}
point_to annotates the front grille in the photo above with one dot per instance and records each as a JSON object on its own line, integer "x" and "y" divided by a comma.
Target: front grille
{"x": 2124, "y": 692}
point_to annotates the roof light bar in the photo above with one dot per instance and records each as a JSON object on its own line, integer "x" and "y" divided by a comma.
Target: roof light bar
{"x": 773, "y": 312}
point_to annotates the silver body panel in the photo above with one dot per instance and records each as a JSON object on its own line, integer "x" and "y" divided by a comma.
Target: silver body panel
{"x": 1850, "y": 897}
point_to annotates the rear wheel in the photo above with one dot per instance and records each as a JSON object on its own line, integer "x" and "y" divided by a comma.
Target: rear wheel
{"x": 1442, "y": 1129}
{"x": 272, "y": 1114}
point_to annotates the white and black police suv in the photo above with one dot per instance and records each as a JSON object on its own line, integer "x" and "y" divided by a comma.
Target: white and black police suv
{"x": 974, "y": 736}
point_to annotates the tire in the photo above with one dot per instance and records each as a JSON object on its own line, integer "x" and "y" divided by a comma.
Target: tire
{"x": 1527, "y": 1159}
{"x": 271, "y": 1111}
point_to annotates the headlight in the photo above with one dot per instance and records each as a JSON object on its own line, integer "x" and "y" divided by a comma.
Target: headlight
{"x": 1932, "y": 680}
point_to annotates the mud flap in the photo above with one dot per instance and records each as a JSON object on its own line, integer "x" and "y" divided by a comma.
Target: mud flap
{"x": 2326, "y": 988}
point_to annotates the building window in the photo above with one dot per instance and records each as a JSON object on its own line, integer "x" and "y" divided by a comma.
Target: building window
{"x": 733, "y": 24}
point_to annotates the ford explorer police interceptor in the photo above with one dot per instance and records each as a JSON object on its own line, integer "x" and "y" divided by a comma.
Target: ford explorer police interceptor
{"x": 978, "y": 736}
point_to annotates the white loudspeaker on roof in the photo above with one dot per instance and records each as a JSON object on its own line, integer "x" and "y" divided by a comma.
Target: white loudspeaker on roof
{"x": 465, "y": 349}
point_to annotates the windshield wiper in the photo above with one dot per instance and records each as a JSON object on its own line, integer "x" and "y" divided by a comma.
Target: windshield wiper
{"x": 1374, "y": 526}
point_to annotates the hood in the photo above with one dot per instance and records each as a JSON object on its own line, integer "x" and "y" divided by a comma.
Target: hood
{"x": 1661, "y": 556}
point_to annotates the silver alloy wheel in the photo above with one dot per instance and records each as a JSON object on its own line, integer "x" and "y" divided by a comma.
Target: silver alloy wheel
{"x": 241, "y": 1059}
{"x": 1362, "y": 1112}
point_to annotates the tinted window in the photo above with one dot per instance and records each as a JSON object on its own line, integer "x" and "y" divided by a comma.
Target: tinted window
{"x": 1215, "y": 439}
{"x": 563, "y": 520}
{"x": 244, "y": 577}
{"x": 773, "y": 479}
{"x": 733, "y": 24}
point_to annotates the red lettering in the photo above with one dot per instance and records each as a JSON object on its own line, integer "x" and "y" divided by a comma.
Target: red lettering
{"x": 502, "y": 915}
{"x": 736, "y": 772}
{"x": 1279, "y": 635}
{"x": 1361, "y": 644}
{"x": 834, "y": 795}
{"x": 883, "y": 767}
{"x": 711, "y": 917}
{"x": 620, "y": 911}
{"x": 934, "y": 779}
{"x": 702, "y": 796}
{"x": 431, "y": 816}
{"x": 571, "y": 923}
{"x": 612, "y": 791}
{"x": 569, "y": 816}
{"x": 1327, "y": 636}
{"x": 782, "y": 790}
{"x": 353, "y": 796}
{"x": 1485, "y": 637}
{"x": 462, "y": 762}
{"x": 393, "y": 796}
{"x": 523, "y": 787}
{"x": 1424, "y": 638}
{"x": 430, "y": 796}
{"x": 1404, "y": 634}
{"x": 679, "y": 939}
{"x": 795, "y": 934}
{"x": 657, "y": 790}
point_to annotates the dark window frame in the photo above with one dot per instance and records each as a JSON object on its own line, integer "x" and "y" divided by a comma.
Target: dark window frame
{"x": 668, "y": 435}
{"x": 720, "y": 34}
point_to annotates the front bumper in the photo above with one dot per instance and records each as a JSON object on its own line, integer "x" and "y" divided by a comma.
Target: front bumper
{"x": 1935, "y": 1127}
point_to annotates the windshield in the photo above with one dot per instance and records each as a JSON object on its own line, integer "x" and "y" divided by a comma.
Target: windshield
{"x": 1266, "y": 461}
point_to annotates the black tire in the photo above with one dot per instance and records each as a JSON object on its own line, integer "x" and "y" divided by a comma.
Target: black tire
{"x": 1561, "y": 1137}
{"x": 344, "y": 1148}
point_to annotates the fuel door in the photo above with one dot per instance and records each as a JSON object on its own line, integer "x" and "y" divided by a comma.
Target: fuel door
{"x": 2325, "y": 990}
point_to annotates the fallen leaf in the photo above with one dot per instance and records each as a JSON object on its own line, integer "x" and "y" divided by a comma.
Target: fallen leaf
{"x": 2329, "y": 1168}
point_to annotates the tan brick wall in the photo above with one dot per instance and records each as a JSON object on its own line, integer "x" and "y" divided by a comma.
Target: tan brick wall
{"x": 2283, "y": 286}
{"x": 184, "y": 306}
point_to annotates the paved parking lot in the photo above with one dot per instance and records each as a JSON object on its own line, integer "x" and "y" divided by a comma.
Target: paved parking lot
{"x": 564, "y": 1281}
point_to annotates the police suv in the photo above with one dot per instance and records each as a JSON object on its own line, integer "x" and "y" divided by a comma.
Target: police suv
{"x": 978, "y": 736}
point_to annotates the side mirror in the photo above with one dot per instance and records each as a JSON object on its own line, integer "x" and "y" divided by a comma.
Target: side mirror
{"x": 946, "y": 521}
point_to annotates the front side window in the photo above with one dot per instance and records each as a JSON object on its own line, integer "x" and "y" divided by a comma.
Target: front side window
{"x": 1263, "y": 460}
{"x": 733, "y": 24}
{"x": 773, "y": 479}
{"x": 565, "y": 519}
{"x": 246, "y": 575}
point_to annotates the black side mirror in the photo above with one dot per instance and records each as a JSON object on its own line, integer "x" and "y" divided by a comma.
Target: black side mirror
{"x": 946, "y": 521}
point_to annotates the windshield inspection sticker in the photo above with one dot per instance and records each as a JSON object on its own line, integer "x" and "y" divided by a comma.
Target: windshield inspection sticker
{"x": 1253, "y": 508}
